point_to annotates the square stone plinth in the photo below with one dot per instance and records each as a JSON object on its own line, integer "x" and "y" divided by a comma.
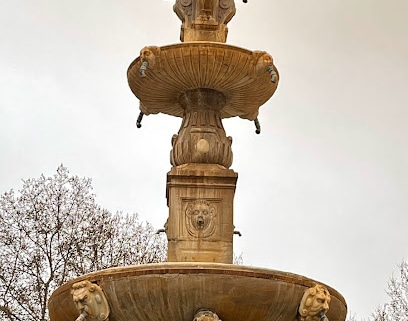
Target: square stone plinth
{"x": 200, "y": 225}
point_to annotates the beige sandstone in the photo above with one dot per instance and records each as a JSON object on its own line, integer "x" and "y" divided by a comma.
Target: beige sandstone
{"x": 202, "y": 80}
{"x": 177, "y": 291}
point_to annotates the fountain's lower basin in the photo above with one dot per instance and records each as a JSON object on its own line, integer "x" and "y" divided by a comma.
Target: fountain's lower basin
{"x": 175, "y": 291}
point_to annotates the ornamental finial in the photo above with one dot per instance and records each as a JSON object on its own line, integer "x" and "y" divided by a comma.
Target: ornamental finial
{"x": 204, "y": 20}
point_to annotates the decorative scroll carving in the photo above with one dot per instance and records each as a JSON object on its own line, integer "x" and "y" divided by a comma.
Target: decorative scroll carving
{"x": 204, "y": 20}
{"x": 206, "y": 315}
{"x": 202, "y": 137}
{"x": 315, "y": 304}
{"x": 90, "y": 301}
{"x": 200, "y": 218}
{"x": 184, "y": 10}
{"x": 226, "y": 11}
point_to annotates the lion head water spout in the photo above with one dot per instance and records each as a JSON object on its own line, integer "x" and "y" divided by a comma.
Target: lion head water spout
{"x": 90, "y": 302}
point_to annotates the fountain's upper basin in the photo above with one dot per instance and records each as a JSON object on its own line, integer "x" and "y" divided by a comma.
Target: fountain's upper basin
{"x": 239, "y": 74}
{"x": 175, "y": 291}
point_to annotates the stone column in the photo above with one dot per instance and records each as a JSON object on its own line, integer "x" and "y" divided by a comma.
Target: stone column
{"x": 200, "y": 187}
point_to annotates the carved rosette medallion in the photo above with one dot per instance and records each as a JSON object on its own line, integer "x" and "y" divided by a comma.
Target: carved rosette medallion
{"x": 200, "y": 218}
{"x": 184, "y": 9}
{"x": 225, "y": 4}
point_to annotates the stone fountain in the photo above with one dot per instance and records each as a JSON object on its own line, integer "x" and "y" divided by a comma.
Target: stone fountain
{"x": 202, "y": 80}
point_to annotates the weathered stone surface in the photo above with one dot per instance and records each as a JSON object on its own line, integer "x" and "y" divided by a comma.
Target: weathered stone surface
{"x": 202, "y": 80}
{"x": 315, "y": 304}
{"x": 90, "y": 301}
{"x": 175, "y": 291}
{"x": 200, "y": 225}
{"x": 204, "y": 20}
{"x": 202, "y": 138}
{"x": 240, "y": 75}
{"x": 206, "y": 315}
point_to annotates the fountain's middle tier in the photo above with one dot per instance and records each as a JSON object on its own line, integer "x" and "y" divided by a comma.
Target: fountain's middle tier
{"x": 161, "y": 76}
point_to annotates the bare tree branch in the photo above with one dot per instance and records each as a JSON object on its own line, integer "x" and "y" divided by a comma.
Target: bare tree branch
{"x": 52, "y": 231}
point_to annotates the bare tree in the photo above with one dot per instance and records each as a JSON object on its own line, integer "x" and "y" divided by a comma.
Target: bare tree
{"x": 238, "y": 259}
{"x": 52, "y": 231}
{"x": 397, "y": 308}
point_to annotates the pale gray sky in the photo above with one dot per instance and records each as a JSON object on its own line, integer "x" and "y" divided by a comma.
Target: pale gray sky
{"x": 322, "y": 192}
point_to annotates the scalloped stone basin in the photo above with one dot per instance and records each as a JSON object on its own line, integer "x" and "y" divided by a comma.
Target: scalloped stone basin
{"x": 175, "y": 291}
{"x": 235, "y": 72}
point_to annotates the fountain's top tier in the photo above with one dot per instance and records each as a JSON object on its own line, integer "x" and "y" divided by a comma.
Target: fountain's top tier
{"x": 204, "y": 20}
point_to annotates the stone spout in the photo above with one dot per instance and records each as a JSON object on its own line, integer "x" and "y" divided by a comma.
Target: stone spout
{"x": 82, "y": 316}
{"x": 90, "y": 302}
{"x": 322, "y": 316}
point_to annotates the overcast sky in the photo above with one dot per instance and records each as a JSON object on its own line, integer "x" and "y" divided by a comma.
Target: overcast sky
{"x": 322, "y": 192}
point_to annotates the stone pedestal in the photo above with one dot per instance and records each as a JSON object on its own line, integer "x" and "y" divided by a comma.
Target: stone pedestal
{"x": 200, "y": 224}
{"x": 202, "y": 80}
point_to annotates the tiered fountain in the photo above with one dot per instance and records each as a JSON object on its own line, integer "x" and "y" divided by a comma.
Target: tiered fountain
{"x": 202, "y": 80}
